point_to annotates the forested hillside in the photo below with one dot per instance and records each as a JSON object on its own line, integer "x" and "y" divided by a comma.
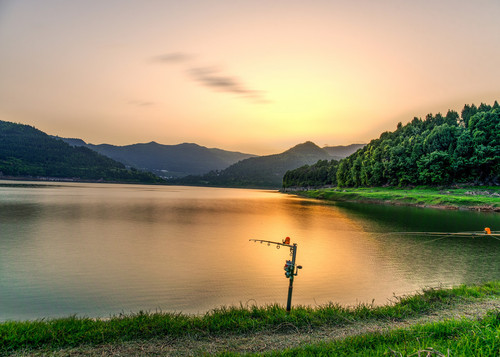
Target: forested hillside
{"x": 263, "y": 171}
{"x": 439, "y": 150}
{"x": 28, "y": 152}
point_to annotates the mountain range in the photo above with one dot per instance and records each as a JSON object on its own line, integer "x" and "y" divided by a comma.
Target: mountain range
{"x": 173, "y": 162}
{"x": 167, "y": 161}
{"x": 30, "y": 153}
{"x": 263, "y": 171}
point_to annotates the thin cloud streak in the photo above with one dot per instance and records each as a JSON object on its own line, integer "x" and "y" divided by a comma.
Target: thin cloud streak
{"x": 174, "y": 57}
{"x": 213, "y": 77}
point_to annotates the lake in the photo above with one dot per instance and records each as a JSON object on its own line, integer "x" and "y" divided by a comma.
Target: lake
{"x": 103, "y": 249}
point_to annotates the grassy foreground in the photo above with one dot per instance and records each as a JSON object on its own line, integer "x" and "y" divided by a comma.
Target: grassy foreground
{"x": 482, "y": 198}
{"x": 52, "y": 335}
{"x": 448, "y": 338}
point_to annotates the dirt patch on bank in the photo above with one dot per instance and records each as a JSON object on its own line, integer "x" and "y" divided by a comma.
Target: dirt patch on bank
{"x": 286, "y": 336}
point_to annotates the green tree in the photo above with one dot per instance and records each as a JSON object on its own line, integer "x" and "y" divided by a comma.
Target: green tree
{"x": 435, "y": 168}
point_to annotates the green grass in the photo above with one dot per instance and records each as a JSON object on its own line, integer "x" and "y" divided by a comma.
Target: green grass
{"x": 448, "y": 338}
{"x": 469, "y": 197}
{"x": 76, "y": 331}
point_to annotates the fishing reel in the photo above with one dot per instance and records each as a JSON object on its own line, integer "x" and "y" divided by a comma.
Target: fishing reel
{"x": 289, "y": 269}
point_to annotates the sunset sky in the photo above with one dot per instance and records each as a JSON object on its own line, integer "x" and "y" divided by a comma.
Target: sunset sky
{"x": 251, "y": 76}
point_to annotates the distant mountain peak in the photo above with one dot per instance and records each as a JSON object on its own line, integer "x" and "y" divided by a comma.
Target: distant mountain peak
{"x": 306, "y": 143}
{"x": 342, "y": 151}
{"x": 30, "y": 153}
{"x": 193, "y": 145}
{"x": 307, "y": 148}
{"x": 263, "y": 171}
{"x": 178, "y": 160}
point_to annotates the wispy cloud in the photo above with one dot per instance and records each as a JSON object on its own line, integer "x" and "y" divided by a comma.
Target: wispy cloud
{"x": 175, "y": 57}
{"x": 213, "y": 77}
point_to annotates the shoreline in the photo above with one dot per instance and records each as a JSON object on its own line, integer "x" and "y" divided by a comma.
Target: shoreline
{"x": 475, "y": 198}
{"x": 257, "y": 329}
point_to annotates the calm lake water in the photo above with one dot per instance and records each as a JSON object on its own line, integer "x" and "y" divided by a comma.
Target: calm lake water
{"x": 101, "y": 249}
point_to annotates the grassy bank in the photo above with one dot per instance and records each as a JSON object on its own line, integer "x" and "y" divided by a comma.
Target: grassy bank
{"x": 51, "y": 335}
{"x": 479, "y": 198}
{"x": 463, "y": 337}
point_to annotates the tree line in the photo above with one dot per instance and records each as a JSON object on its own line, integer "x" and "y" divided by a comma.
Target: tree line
{"x": 439, "y": 150}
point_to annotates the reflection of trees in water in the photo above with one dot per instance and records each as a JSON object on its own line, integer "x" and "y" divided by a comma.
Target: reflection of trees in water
{"x": 441, "y": 259}
{"x": 387, "y": 218}
{"x": 428, "y": 259}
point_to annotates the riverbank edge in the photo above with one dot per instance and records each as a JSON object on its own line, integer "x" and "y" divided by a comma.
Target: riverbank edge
{"x": 477, "y": 198}
{"x": 47, "y": 336}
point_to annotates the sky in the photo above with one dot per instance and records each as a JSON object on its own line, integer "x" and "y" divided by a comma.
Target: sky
{"x": 250, "y": 76}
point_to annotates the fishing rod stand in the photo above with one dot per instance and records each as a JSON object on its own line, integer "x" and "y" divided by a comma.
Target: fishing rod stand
{"x": 291, "y": 269}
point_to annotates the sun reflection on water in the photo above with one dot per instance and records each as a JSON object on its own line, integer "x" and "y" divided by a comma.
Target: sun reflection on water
{"x": 96, "y": 250}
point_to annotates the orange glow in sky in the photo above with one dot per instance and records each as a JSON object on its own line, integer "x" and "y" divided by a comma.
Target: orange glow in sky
{"x": 250, "y": 76}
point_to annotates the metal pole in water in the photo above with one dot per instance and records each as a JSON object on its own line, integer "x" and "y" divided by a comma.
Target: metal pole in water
{"x": 290, "y": 286}
{"x": 290, "y": 268}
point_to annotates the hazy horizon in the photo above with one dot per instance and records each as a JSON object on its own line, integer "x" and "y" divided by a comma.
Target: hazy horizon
{"x": 247, "y": 76}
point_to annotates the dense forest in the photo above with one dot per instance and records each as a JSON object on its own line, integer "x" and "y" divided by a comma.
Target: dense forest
{"x": 439, "y": 150}
{"x": 28, "y": 152}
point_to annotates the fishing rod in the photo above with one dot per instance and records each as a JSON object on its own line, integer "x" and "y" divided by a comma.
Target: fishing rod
{"x": 291, "y": 269}
{"x": 487, "y": 232}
